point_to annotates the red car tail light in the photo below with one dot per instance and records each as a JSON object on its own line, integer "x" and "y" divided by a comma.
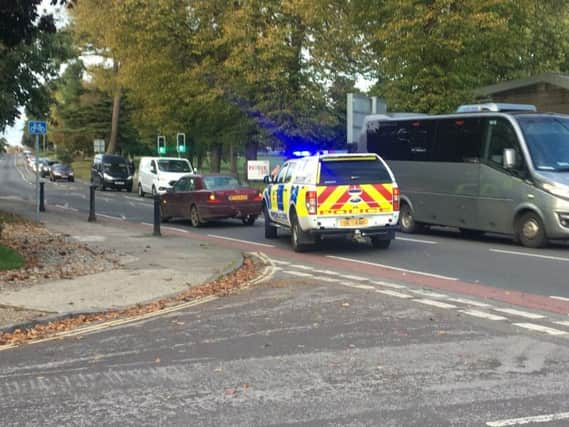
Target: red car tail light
{"x": 311, "y": 202}
{"x": 396, "y": 194}
{"x": 258, "y": 197}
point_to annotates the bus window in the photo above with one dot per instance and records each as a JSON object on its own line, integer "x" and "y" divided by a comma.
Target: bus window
{"x": 459, "y": 140}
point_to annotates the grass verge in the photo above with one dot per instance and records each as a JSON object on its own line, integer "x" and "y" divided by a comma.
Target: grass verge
{"x": 10, "y": 259}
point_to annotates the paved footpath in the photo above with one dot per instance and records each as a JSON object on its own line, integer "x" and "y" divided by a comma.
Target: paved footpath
{"x": 149, "y": 267}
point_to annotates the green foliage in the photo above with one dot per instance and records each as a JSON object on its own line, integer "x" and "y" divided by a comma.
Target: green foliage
{"x": 10, "y": 259}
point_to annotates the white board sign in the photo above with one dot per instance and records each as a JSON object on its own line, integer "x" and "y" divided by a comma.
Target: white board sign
{"x": 99, "y": 146}
{"x": 257, "y": 169}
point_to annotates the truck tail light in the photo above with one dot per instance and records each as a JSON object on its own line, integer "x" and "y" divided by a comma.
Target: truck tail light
{"x": 396, "y": 198}
{"x": 311, "y": 202}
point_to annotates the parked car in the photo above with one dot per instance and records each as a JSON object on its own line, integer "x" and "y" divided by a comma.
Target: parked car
{"x": 201, "y": 198}
{"x": 158, "y": 174}
{"x": 60, "y": 171}
{"x": 111, "y": 171}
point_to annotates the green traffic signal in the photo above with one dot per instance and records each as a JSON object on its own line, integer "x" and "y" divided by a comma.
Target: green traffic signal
{"x": 161, "y": 144}
{"x": 181, "y": 143}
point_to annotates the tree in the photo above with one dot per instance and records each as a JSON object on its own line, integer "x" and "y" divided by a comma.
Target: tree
{"x": 431, "y": 54}
{"x": 3, "y": 145}
{"x": 31, "y": 53}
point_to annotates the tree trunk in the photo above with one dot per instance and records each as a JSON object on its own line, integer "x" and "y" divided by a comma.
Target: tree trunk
{"x": 232, "y": 159}
{"x": 251, "y": 149}
{"x": 113, "y": 142}
{"x": 215, "y": 164}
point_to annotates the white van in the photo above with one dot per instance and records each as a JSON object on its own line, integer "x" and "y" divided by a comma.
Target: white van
{"x": 157, "y": 174}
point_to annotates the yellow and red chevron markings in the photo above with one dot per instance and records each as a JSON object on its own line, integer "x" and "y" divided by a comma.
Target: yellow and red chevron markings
{"x": 355, "y": 199}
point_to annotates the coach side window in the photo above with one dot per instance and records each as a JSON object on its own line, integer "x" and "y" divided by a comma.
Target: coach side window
{"x": 459, "y": 140}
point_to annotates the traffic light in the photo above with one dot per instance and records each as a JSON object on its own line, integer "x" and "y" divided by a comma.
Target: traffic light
{"x": 181, "y": 143}
{"x": 161, "y": 144}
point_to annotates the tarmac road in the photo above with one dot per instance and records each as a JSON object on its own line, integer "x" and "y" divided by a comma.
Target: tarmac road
{"x": 294, "y": 351}
{"x": 491, "y": 260}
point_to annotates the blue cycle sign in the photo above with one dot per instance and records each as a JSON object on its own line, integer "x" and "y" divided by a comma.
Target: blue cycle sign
{"x": 37, "y": 127}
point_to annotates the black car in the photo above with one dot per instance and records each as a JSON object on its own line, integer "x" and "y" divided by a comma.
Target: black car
{"x": 61, "y": 172}
{"x": 111, "y": 171}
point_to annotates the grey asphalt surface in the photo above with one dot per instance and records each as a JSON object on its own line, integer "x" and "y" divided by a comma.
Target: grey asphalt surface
{"x": 491, "y": 260}
{"x": 292, "y": 351}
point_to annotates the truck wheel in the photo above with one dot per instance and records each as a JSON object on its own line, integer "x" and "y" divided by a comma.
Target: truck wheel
{"x": 379, "y": 243}
{"x": 270, "y": 229}
{"x": 406, "y": 220}
{"x": 297, "y": 235}
{"x": 530, "y": 231}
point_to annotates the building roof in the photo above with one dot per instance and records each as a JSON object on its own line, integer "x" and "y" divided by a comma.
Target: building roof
{"x": 556, "y": 79}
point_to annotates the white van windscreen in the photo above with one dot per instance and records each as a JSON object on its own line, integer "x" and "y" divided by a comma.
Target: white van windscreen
{"x": 181, "y": 166}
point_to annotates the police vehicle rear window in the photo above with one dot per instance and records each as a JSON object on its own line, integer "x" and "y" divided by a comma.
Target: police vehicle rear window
{"x": 353, "y": 171}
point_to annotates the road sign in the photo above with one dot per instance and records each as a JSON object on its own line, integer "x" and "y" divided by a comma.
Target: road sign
{"x": 37, "y": 127}
{"x": 257, "y": 170}
{"x": 161, "y": 144}
{"x": 358, "y": 107}
{"x": 181, "y": 143}
{"x": 99, "y": 146}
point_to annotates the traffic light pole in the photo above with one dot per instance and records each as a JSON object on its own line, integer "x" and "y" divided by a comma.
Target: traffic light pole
{"x": 37, "y": 179}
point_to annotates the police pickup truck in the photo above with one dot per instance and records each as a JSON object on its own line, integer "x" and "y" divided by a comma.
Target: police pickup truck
{"x": 333, "y": 195}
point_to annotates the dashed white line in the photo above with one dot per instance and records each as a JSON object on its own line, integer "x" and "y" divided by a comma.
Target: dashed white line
{"x": 428, "y": 293}
{"x": 469, "y": 302}
{"x": 550, "y": 257}
{"x": 434, "y": 303}
{"x": 69, "y": 208}
{"x": 527, "y": 420}
{"x": 520, "y": 313}
{"x": 483, "y": 315}
{"x": 563, "y": 323}
{"x": 405, "y": 270}
{"x": 280, "y": 262}
{"x": 112, "y": 217}
{"x": 298, "y": 273}
{"x": 175, "y": 229}
{"x": 240, "y": 241}
{"x": 407, "y": 239}
{"x": 539, "y": 328}
{"x": 350, "y": 277}
{"x": 357, "y": 286}
{"x": 393, "y": 293}
{"x": 302, "y": 267}
{"x": 329, "y": 279}
{"x": 388, "y": 285}
{"x": 559, "y": 298}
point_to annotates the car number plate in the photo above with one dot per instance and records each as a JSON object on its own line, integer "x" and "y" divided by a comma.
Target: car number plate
{"x": 119, "y": 182}
{"x": 238, "y": 197}
{"x": 351, "y": 222}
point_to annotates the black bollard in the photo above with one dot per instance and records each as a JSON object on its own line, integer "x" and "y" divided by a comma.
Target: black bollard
{"x": 156, "y": 216}
{"x": 42, "y": 196}
{"x": 92, "y": 217}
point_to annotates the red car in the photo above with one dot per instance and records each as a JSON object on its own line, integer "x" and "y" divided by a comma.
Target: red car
{"x": 208, "y": 197}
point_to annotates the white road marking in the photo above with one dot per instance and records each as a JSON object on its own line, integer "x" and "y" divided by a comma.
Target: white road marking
{"x": 393, "y": 293}
{"x": 559, "y": 298}
{"x": 302, "y": 267}
{"x": 428, "y": 293}
{"x": 563, "y": 323}
{"x": 175, "y": 229}
{"x": 388, "y": 285}
{"x": 147, "y": 223}
{"x": 347, "y": 276}
{"x": 329, "y": 279}
{"x": 482, "y": 315}
{"x": 357, "y": 286}
{"x": 539, "y": 328}
{"x": 298, "y": 273}
{"x": 240, "y": 241}
{"x": 527, "y": 420}
{"x": 407, "y": 239}
{"x": 434, "y": 303}
{"x": 405, "y": 270}
{"x": 520, "y": 313}
{"x": 554, "y": 258}
{"x": 66, "y": 207}
{"x": 110, "y": 217}
{"x": 469, "y": 302}
{"x": 280, "y": 262}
